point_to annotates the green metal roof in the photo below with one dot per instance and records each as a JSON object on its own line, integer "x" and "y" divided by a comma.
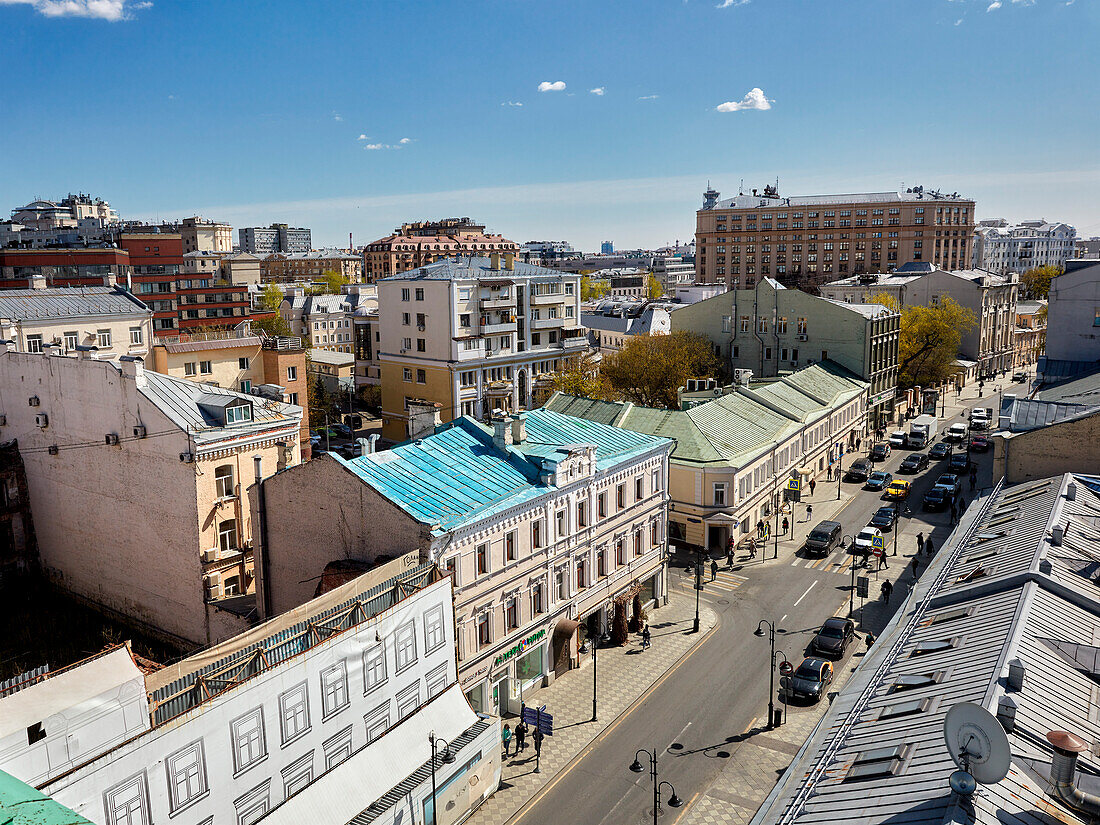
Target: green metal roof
{"x": 20, "y": 804}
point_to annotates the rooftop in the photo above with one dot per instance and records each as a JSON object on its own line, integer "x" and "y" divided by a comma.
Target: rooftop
{"x": 69, "y": 302}
{"x": 336, "y": 359}
{"x": 759, "y": 202}
{"x": 466, "y": 268}
{"x": 458, "y": 475}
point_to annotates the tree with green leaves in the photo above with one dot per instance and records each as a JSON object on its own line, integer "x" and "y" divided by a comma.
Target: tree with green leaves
{"x": 333, "y": 282}
{"x": 320, "y": 402}
{"x": 649, "y": 369}
{"x": 653, "y": 288}
{"x": 591, "y": 288}
{"x": 581, "y": 377}
{"x": 1035, "y": 283}
{"x": 928, "y": 340}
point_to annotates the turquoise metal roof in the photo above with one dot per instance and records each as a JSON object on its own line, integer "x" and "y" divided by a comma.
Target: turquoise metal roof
{"x": 458, "y": 475}
{"x": 20, "y": 804}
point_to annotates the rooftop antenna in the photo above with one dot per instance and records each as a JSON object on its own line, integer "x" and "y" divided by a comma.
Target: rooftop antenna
{"x": 741, "y": 188}
{"x": 978, "y": 745}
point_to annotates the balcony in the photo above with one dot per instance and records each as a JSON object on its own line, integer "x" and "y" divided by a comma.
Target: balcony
{"x": 498, "y": 329}
{"x": 497, "y": 303}
{"x": 547, "y": 323}
{"x": 574, "y": 343}
{"x": 555, "y": 298}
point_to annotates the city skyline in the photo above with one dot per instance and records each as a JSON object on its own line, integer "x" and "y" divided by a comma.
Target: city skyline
{"x": 588, "y": 132}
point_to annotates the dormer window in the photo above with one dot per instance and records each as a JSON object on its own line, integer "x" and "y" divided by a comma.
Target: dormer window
{"x": 239, "y": 414}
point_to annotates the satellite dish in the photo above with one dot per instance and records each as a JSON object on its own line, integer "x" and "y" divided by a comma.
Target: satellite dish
{"x": 977, "y": 743}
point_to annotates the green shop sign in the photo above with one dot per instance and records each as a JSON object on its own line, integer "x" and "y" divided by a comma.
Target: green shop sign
{"x": 520, "y": 647}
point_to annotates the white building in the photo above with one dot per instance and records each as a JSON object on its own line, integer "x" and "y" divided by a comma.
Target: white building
{"x": 321, "y": 715}
{"x": 1073, "y": 314}
{"x": 327, "y": 321}
{"x": 612, "y": 325}
{"x": 1001, "y": 248}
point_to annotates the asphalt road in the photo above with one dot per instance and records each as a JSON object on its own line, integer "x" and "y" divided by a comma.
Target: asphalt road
{"x": 700, "y": 709}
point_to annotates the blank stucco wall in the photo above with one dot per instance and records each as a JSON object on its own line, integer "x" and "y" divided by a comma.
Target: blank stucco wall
{"x": 1068, "y": 447}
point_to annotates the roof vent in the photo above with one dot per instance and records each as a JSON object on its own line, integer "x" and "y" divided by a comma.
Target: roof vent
{"x": 1016, "y": 674}
{"x": 1063, "y": 771}
{"x": 1006, "y": 713}
{"x": 1071, "y": 491}
{"x": 1056, "y": 534}
{"x": 1045, "y": 567}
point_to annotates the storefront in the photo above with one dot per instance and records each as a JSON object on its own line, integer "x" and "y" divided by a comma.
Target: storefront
{"x": 513, "y": 673}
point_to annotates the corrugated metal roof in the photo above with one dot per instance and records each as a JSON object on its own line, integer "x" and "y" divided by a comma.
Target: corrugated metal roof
{"x": 69, "y": 302}
{"x": 449, "y": 269}
{"x": 20, "y": 804}
{"x": 1025, "y": 414}
{"x": 336, "y": 359}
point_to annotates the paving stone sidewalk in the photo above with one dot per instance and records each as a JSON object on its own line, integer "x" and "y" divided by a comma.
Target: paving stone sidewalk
{"x": 623, "y": 675}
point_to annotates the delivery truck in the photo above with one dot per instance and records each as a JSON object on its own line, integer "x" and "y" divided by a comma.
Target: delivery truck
{"x": 922, "y": 430}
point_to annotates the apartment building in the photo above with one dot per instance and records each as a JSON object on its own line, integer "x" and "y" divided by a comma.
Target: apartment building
{"x": 323, "y": 715}
{"x": 807, "y": 240}
{"x": 611, "y": 326}
{"x": 107, "y": 320}
{"x": 772, "y": 330}
{"x": 673, "y": 271}
{"x": 1073, "y": 313}
{"x": 473, "y": 335}
{"x": 336, "y": 370}
{"x": 203, "y": 235}
{"x": 288, "y": 267}
{"x": 1029, "y": 337}
{"x": 992, "y": 299}
{"x": 135, "y": 483}
{"x": 1002, "y": 248}
{"x": 278, "y": 237}
{"x": 417, "y": 244}
{"x": 326, "y": 321}
{"x": 734, "y": 455}
{"x": 542, "y": 521}
{"x": 70, "y": 266}
{"x": 368, "y": 367}
{"x": 75, "y": 220}
{"x": 543, "y": 253}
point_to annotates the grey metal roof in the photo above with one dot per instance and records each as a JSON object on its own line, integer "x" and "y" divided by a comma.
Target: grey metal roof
{"x": 69, "y": 302}
{"x": 1022, "y": 414}
{"x": 336, "y": 359}
{"x": 1084, "y": 389}
{"x": 757, "y": 202}
{"x": 998, "y": 590}
{"x": 450, "y": 269}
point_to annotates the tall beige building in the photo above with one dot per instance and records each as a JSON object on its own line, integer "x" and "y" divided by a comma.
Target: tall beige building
{"x": 420, "y": 243}
{"x": 807, "y": 240}
{"x": 202, "y": 235}
{"x": 472, "y": 335}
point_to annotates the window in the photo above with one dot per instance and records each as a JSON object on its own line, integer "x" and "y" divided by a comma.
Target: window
{"x": 238, "y": 414}
{"x": 186, "y": 770}
{"x": 582, "y": 514}
{"x": 103, "y": 337}
{"x": 247, "y": 736}
{"x": 205, "y": 368}
{"x": 292, "y": 373}
{"x": 511, "y": 614}
{"x": 484, "y": 635}
{"x": 620, "y": 496}
{"x": 136, "y": 335}
{"x": 298, "y": 774}
{"x": 246, "y": 386}
{"x": 560, "y": 587}
{"x": 482, "y": 553}
{"x": 420, "y": 345}
{"x": 421, "y": 377}
{"x": 406, "y": 647}
{"x": 407, "y": 374}
{"x": 720, "y": 494}
{"x": 127, "y": 803}
{"x": 404, "y": 295}
{"x": 464, "y": 320}
{"x": 189, "y": 368}
{"x": 253, "y": 805}
{"x": 559, "y": 523}
{"x": 536, "y": 535}
{"x": 242, "y": 363}
{"x": 71, "y": 341}
{"x": 408, "y": 701}
{"x": 510, "y": 546}
{"x": 420, "y": 293}
{"x": 538, "y": 603}
{"x": 34, "y": 343}
{"x": 877, "y": 763}
{"x": 899, "y": 709}
{"x": 601, "y": 505}
{"x": 227, "y": 536}
{"x": 637, "y": 542}
{"x": 223, "y": 481}
{"x": 433, "y": 629}
{"x": 912, "y": 681}
{"x": 337, "y": 748}
{"x": 601, "y": 564}
{"x": 639, "y": 488}
{"x": 406, "y": 319}
{"x": 293, "y": 398}
{"x": 294, "y": 713}
{"x": 801, "y": 326}
{"x": 334, "y": 689}
{"x": 656, "y": 480}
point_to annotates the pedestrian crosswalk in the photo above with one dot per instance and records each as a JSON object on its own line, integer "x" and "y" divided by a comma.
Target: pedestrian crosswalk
{"x": 837, "y": 562}
{"x": 725, "y": 580}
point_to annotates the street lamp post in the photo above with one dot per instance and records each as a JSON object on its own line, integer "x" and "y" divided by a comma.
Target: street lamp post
{"x": 846, "y": 542}
{"x": 596, "y": 642}
{"x": 698, "y": 587}
{"x": 673, "y": 801}
{"x": 446, "y": 758}
{"x": 839, "y": 471}
{"x": 787, "y": 669}
{"x": 771, "y": 668}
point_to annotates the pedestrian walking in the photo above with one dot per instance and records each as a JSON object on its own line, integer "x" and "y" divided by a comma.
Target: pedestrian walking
{"x": 813, "y": 486}
{"x": 521, "y": 736}
{"x": 858, "y": 442}
{"x": 506, "y": 738}
{"x": 928, "y": 548}
{"x": 786, "y": 525}
{"x": 713, "y": 570}
{"x": 920, "y": 543}
{"x": 973, "y": 482}
{"x": 913, "y": 565}
{"x": 809, "y": 512}
{"x": 647, "y": 639}
{"x": 882, "y": 563}
{"x": 752, "y": 548}
{"x": 729, "y": 554}
{"x": 887, "y": 589}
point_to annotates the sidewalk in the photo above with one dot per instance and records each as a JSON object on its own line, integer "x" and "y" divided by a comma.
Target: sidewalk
{"x": 623, "y": 675}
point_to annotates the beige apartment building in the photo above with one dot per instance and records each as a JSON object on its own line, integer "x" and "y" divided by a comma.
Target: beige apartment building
{"x": 135, "y": 481}
{"x": 473, "y": 335}
{"x": 417, "y": 244}
{"x": 202, "y": 235}
{"x": 806, "y": 240}
{"x": 545, "y": 522}
{"x": 107, "y": 320}
{"x": 288, "y": 267}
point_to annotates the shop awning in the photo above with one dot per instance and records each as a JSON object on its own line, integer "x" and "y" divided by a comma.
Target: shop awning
{"x": 565, "y": 628}
{"x": 804, "y": 471}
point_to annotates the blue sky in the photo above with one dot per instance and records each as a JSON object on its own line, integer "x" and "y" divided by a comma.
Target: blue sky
{"x": 355, "y": 116}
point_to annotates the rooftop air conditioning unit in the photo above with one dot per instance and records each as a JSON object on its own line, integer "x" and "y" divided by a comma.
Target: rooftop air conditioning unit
{"x": 111, "y": 439}
{"x": 187, "y": 458}
{"x": 139, "y": 431}
{"x": 32, "y": 401}
{"x": 210, "y": 554}
{"x": 41, "y": 420}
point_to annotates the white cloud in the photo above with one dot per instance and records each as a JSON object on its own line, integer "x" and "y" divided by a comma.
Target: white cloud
{"x": 374, "y": 146}
{"x": 110, "y": 10}
{"x": 405, "y": 140}
{"x": 755, "y": 99}
{"x": 362, "y": 137}
{"x": 599, "y": 90}
{"x": 725, "y": 4}
{"x": 511, "y": 103}
{"x": 555, "y": 86}
{"x": 959, "y": 22}
{"x": 648, "y": 97}
{"x": 337, "y": 117}
{"x": 996, "y": 4}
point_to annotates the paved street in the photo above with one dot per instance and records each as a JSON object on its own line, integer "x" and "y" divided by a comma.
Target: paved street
{"x": 707, "y": 718}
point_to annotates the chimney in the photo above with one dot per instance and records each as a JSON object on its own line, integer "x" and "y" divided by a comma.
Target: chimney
{"x": 502, "y": 433}
{"x": 1063, "y": 772}
{"x": 1006, "y": 713}
{"x": 1071, "y": 491}
{"x": 494, "y": 261}
{"x": 1016, "y": 673}
{"x": 510, "y": 261}
{"x": 38, "y": 282}
{"x": 9, "y": 346}
{"x": 372, "y": 440}
{"x": 1056, "y": 534}
{"x": 133, "y": 366}
{"x": 519, "y": 430}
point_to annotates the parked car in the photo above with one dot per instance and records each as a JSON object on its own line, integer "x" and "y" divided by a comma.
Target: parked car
{"x": 936, "y": 499}
{"x": 878, "y": 480}
{"x": 834, "y": 637}
{"x": 950, "y": 482}
{"x": 824, "y": 538}
{"x": 913, "y": 462}
{"x": 880, "y": 452}
{"x": 959, "y": 463}
{"x": 980, "y": 418}
{"x": 342, "y": 430}
{"x": 884, "y": 518}
{"x": 980, "y": 444}
{"x": 956, "y": 433}
{"x": 865, "y": 540}
{"x": 1019, "y": 377}
{"x": 898, "y": 489}
{"x": 810, "y": 679}
{"x": 897, "y": 438}
{"x": 940, "y": 450}
{"x": 860, "y": 469}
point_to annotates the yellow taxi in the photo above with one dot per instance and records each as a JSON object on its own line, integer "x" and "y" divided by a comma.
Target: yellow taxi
{"x": 898, "y": 489}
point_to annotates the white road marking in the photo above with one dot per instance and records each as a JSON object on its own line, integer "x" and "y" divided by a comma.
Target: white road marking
{"x": 781, "y": 618}
{"x": 807, "y": 593}
{"x": 676, "y": 738}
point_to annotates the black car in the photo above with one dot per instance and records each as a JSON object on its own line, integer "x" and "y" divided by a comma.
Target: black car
{"x": 959, "y": 463}
{"x": 824, "y": 538}
{"x": 878, "y": 480}
{"x": 860, "y": 469}
{"x": 880, "y": 452}
{"x": 940, "y": 450}
{"x": 884, "y": 518}
{"x": 834, "y": 637}
{"x": 341, "y": 430}
{"x": 913, "y": 463}
{"x": 811, "y": 678}
{"x": 938, "y": 498}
